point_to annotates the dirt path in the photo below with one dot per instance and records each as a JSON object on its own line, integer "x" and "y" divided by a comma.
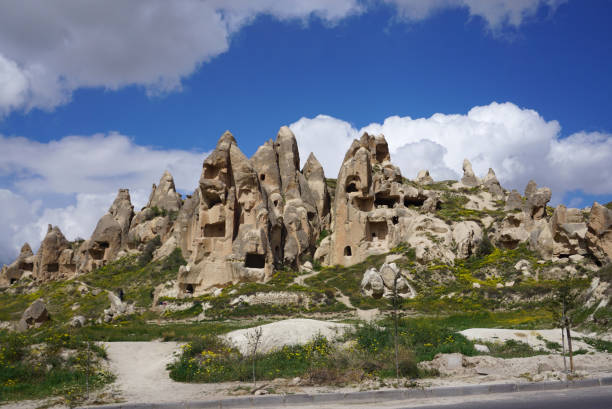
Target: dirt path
{"x": 300, "y": 280}
{"x": 366, "y": 315}
{"x": 142, "y": 376}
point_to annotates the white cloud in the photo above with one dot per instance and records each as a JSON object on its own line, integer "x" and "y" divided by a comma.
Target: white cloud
{"x": 496, "y": 13}
{"x": 92, "y": 164}
{"x": 85, "y": 171}
{"x": 517, "y": 143}
{"x": 49, "y": 49}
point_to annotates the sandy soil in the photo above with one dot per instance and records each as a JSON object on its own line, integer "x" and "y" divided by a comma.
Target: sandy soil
{"x": 287, "y": 332}
{"x": 142, "y": 376}
{"x": 535, "y": 338}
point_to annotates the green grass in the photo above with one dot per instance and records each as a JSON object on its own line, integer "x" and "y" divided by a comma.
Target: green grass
{"x": 370, "y": 353}
{"x": 512, "y": 349}
{"x": 49, "y": 363}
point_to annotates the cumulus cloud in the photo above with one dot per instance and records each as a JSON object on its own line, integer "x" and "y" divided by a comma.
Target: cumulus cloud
{"x": 85, "y": 173}
{"x": 517, "y": 143}
{"x": 49, "y": 49}
{"x": 497, "y": 14}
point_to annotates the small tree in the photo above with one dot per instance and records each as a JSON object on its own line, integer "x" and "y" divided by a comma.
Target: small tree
{"x": 254, "y": 339}
{"x": 563, "y": 304}
{"x": 396, "y": 277}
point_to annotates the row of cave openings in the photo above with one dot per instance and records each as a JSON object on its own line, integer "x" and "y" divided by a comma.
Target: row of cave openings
{"x": 366, "y": 204}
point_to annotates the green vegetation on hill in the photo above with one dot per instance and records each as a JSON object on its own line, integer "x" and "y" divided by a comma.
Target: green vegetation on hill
{"x": 49, "y": 363}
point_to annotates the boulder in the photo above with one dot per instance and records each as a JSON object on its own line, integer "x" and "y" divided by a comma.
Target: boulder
{"x": 34, "y": 316}
{"x": 372, "y": 284}
{"x": 78, "y": 321}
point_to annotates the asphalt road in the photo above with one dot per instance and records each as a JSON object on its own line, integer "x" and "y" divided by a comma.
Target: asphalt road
{"x": 583, "y": 398}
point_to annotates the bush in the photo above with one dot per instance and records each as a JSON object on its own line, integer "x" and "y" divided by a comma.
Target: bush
{"x": 485, "y": 247}
{"x": 147, "y": 254}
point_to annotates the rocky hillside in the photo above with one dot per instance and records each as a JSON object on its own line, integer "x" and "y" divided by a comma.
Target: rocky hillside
{"x": 304, "y": 239}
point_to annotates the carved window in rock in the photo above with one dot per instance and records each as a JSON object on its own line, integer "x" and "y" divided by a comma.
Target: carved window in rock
{"x": 254, "y": 260}
{"x": 214, "y": 229}
{"x": 348, "y": 251}
{"x": 376, "y": 230}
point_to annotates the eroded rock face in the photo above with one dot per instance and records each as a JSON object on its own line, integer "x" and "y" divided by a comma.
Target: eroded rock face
{"x": 315, "y": 176}
{"x": 469, "y": 178}
{"x": 537, "y": 199}
{"x": 491, "y": 183}
{"x": 231, "y": 243}
{"x": 25, "y": 264}
{"x": 157, "y": 217}
{"x": 54, "y": 256}
{"x": 252, "y": 214}
{"x": 568, "y": 230}
{"x": 111, "y": 236}
{"x": 297, "y": 201}
{"x": 467, "y": 236}
{"x": 514, "y": 201}
{"x": 164, "y": 195}
{"x": 599, "y": 234}
{"x": 423, "y": 178}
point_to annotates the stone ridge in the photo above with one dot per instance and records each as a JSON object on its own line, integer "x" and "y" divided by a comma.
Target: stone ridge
{"x": 248, "y": 217}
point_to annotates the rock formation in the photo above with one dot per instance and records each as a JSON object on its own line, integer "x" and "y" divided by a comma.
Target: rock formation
{"x": 599, "y": 234}
{"x": 110, "y": 237}
{"x": 385, "y": 282}
{"x": 491, "y": 183}
{"x": 34, "y": 316}
{"x": 248, "y": 217}
{"x": 423, "y": 178}
{"x": 469, "y": 178}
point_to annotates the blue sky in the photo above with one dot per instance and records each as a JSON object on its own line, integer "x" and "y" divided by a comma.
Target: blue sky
{"x": 520, "y": 86}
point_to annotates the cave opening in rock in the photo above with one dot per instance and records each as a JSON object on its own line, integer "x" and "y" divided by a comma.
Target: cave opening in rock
{"x": 395, "y": 220}
{"x": 348, "y": 251}
{"x": 189, "y": 289}
{"x": 364, "y": 204}
{"x": 210, "y": 172}
{"x": 381, "y": 153}
{"x": 98, "y": 250}
{"x": 26, "y": 266}
{"x": 13, "y": 280}
{"x": 214, "y": 229}
{"x": 351, "y": 187}
{"x": 377, "y": 230}
{"x": 211, "y": 199}
{"x": 254, "y": 260}
{"x": 388, "y": 201}
{"x": 413, "y": 201}
{"x": 262, "y": 177}
{"x": 52, "y": 267}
